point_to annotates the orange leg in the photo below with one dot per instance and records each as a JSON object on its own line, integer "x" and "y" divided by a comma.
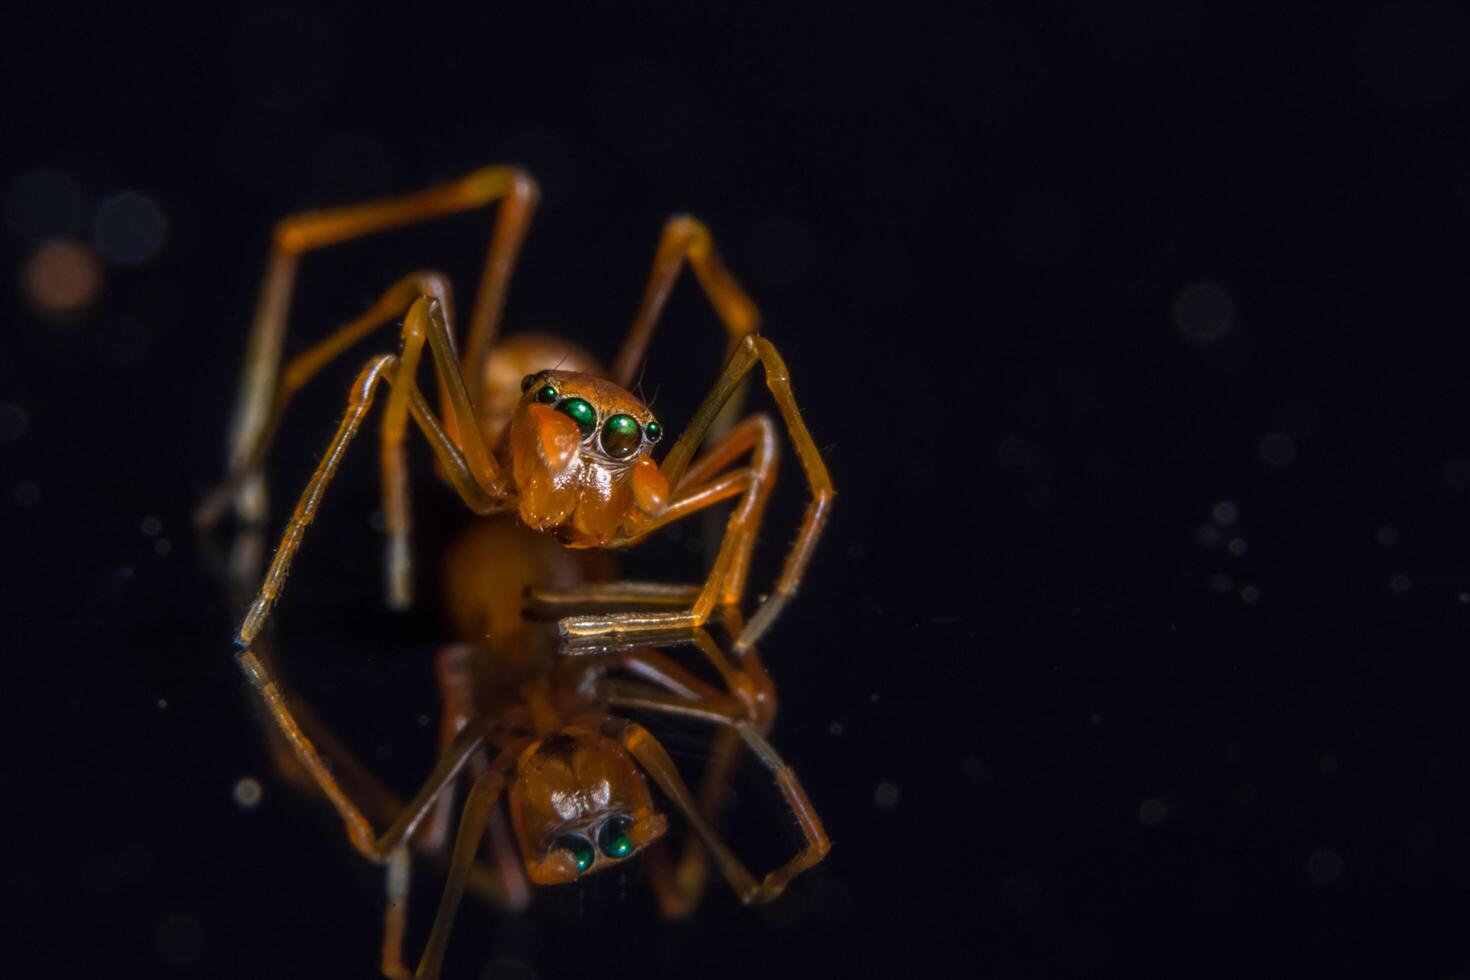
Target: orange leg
{"x": 376, "y": 847}
{"x": 684, "y": 239}
{"x": 392, "y": 846}
{"x": 726, "y": 578}
{"x": 483, "y": 796}
{"x": 703, "y": 486}
{"x": 395, "y": 915}
{"x": 302, "y": 233}
{"x": 678, "y": 881}
{"x": 305, "y": 366}
{"x": 427, "y": 321}
{"x": 472, "y": 472}
{"x": 660, "y": 768}
{"x": 505, "y": 885}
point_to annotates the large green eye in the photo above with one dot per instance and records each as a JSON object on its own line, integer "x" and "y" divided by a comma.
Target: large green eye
{"x": 613, "y": 838}
{"x": 621, "y": 436}
{"x": 580, "y": 848}
{"x": 581, "y": 413}
{"x": 653, "y": 431}
{"x": 547, "y": 395}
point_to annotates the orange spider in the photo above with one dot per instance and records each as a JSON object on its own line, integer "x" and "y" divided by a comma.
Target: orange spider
{"x": 565, "y": 446}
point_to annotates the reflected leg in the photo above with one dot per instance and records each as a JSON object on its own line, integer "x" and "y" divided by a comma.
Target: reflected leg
{"x": 483, "y": 796}
{"x": 660, "y": 768}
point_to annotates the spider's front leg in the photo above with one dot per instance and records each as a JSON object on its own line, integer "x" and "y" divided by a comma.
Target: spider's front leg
{"x": 469, "y": 466}
{"x": 699, "y": 485}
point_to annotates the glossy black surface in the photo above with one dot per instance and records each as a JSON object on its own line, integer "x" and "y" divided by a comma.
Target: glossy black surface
{"x": 1137, "y": 641}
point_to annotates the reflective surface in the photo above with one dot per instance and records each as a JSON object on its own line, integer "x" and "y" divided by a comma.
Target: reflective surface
{"x": 1136, "y": 642}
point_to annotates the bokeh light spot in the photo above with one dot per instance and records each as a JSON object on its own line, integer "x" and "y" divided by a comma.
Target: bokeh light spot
{"x": 62, "y": 278}
{"x": 1325, "y": 867}
{"x": 248, "y": 792}
{"x": 885, "y": 794}
{"x": 180, "y": 940}
{"x": 1278, "y": 449}
{"x": 1204, "y": 312}
{"x": 129, "y": 228}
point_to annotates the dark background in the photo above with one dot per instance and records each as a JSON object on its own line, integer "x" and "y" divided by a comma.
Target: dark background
{"x": 1134, "y": 340}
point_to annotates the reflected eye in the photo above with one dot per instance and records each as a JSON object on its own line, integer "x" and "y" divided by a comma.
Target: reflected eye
{"x": 580, "y": 848}
{"x": 621, "y": 436}
{"x": 547, "y": 395}
{"x": 579, "y": 412}
{"x": 613, "y": 838}
{"x": 653, "y": 431}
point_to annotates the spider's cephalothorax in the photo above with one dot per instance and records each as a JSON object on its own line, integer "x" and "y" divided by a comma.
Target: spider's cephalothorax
{"x": 579, "y": 450}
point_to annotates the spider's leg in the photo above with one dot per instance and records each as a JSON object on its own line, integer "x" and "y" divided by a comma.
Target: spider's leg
{"x": 684, "y": 238}
{"x": 391, "y": 847}
{"x": 679, "y": 878}
{"x": 503, "y": 883}
{"x": 426, "y": 321}
{"x": 368, "y": 842}
{"x": 660, "y": 768}
{"x": 483, "y": 796}
{"x": 395, "y": 914}
{"x": 703, "y": 485}
{"x": 727, "y": 576}
{"x": 296, "y": 235}
{"x": 305, "y": 366}
{"x": 470, "y": 471}
{"x": 549, "y": 601}
{"x": 744, "y": 676}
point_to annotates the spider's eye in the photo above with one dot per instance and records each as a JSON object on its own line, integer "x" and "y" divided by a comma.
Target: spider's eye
{"x": 528, "y": 381}
{"x": 580, "y": 412}
{"x": 613, "y": 838}
{"x": 653, "y": 431}
{"x": 620, "y": 436}
{"x": 580, "y": 848}
{"x": 547, "y": 395}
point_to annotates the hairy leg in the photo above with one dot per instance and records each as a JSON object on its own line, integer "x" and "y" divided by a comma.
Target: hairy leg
{"x": 296, "y": 235}
{"x": 660, "y": 768}
{"x": 739, "y": 533}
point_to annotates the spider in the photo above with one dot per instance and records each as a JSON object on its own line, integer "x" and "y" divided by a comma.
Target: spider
{"x": 538, "y": 724}
{"x": 529, "y": 423}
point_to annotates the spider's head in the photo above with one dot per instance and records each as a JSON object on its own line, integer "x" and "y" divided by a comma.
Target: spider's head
{"x": 579, "y": 805}
{"x": 580, "y": 456}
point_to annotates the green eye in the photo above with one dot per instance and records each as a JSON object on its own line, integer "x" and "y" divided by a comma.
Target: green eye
{"x": 613, "y": 838}
{"x": 653, "y": 431}
{"x": 581, "y": 413}
{"x": 580, "y": 848}
{"x": 547, "y": 395}
{"x": 621, "y": 436}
